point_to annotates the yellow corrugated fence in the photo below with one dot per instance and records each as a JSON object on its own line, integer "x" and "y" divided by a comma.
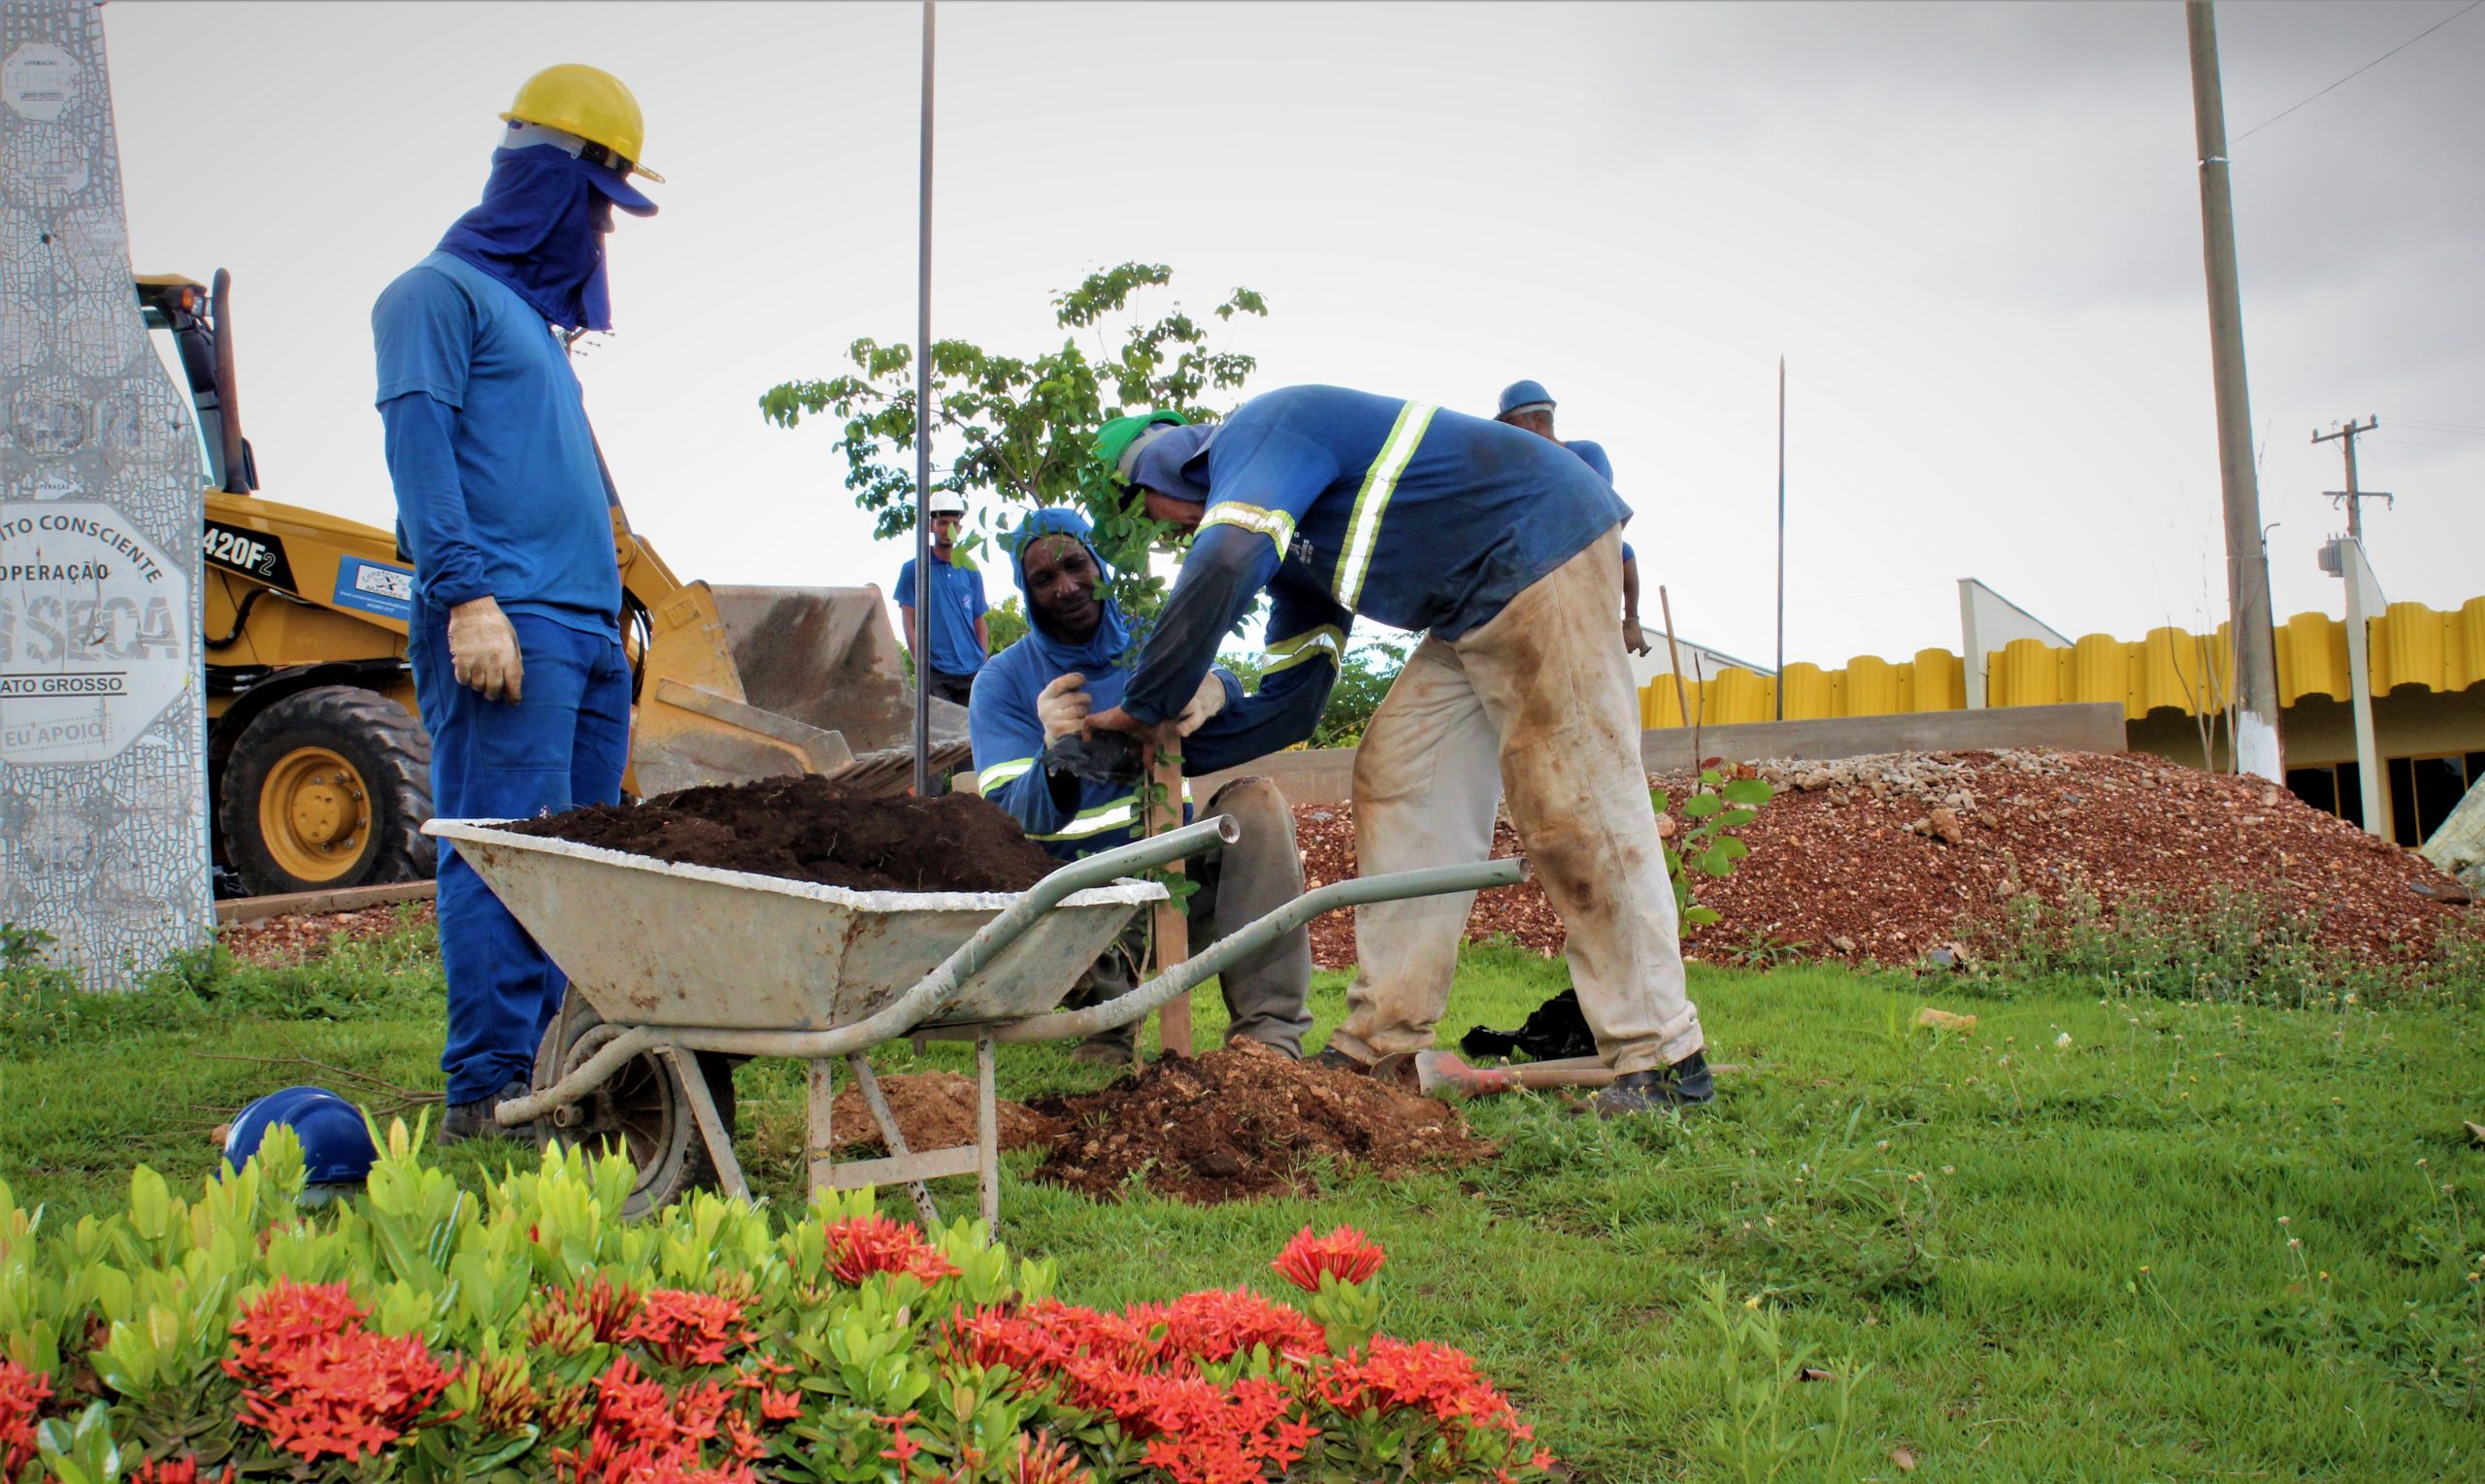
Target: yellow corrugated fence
{"x": 2411, "y": 644}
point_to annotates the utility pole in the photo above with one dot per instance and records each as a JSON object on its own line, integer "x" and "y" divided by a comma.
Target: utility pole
{"x": 2354, "y": 498}
{"x": 1781, "y": 545}
{"x": 923, "y": 439}
{"x": 2364, "y": 593}
{"x": 2247, "y": 560}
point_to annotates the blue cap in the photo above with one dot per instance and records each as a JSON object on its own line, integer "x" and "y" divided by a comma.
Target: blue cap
{"x": 1525, "y": 397}
{"x": 335, "y": 1147}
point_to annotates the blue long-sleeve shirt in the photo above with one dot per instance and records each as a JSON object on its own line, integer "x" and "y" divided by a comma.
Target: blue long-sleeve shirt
{"x": 499, "y": 489}
{"x": 1072, "y": 817}
{"x": 1340, "y": 503}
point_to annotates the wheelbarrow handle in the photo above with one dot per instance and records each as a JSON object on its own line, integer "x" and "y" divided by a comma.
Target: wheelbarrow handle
{"x": 1189, "y": 974}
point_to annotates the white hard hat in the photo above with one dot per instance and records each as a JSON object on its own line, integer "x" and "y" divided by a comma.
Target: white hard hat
{"x": 945, "y": 502}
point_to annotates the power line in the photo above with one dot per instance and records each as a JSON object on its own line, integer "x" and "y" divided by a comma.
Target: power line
{"x": 2361, "y": 70}
{"x": 2414, "y": 443}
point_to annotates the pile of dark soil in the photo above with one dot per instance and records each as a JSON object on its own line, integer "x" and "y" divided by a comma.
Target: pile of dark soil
{"x": 1880, "y": 859}
{"x": 1244, "y": 1122}
{"x": 808, "y": 830}
{"x": 934, "y": 1110}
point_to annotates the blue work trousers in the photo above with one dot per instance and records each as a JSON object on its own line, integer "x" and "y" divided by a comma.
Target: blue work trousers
{"x": 563, "y": 743}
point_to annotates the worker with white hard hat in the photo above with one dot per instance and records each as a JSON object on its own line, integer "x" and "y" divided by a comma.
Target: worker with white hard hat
{"x": 514, "y": 622}
{"x": 1506, "y": 552}
{"x": 1528, "y": 405}
{"x": 960, "y": 639}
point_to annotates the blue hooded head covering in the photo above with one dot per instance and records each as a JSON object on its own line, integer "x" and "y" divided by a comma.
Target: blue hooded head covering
{"x": 540, "y": 229}
{"x": 1111, "y": 638}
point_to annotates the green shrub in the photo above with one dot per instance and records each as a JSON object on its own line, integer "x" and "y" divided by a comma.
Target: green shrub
{"x": 425, "y": 1332}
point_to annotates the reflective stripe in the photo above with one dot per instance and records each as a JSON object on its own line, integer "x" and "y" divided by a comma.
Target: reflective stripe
{"x": 1120, "y": 814}
{"x": 1327, "y": 640}
{"x": 1276, "y": 525}
{"x": 998, "y": 775}
{"x": 1372, "y": 502}
{"x": 1112, "y": 814}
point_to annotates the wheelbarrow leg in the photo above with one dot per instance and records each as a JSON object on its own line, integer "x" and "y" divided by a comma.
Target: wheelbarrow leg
{"x": 822, "y": 1162}
{"x": 987, "y": 1141}
{"x": 891, "y": 1135}
{"x": 711, "y": 1127}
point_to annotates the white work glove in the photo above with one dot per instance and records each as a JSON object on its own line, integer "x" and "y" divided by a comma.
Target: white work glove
{"x": 1205, "y": 702}
{"x": 1062, "y": 707}
{"x": 483, "y": 651}
{"x": 1632, "y": 638}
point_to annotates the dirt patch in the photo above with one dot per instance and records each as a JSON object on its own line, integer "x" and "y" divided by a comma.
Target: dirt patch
{"x": 1243, "y": 1122}
{"x": 934, "y": 1110}
{"x": 807, "y": 830}
{"x": 1880, "y": 859}
{"x": 269, "y": 943}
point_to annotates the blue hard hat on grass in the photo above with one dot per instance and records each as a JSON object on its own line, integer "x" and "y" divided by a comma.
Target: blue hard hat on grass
{"x": 336, "y": 1145}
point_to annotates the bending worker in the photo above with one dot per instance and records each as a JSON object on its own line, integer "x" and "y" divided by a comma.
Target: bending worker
{"x": 515, "y": 633}
{"x": 1508, "y": 551}
{"x": 1528, "y": 405}
{"x": 1042, "y": 688}
{"x": 959, "y": 639}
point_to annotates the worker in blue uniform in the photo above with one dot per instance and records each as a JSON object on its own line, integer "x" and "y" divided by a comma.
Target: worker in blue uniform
{"x": 1528, "y": 405}
{"x": 503, "y": 503}
{"x": 1074, "y": 660}
{"x": 959, "y": 636}
{"x": 1506, "y": 551}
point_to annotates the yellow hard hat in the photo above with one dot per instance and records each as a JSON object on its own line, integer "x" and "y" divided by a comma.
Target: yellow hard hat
{"x": 588, "y": 102}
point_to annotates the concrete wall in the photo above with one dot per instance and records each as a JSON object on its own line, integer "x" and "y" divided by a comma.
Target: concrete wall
{"x": 1327, "y": 775}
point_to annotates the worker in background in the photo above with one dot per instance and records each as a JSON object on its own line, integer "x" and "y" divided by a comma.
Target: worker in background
{"x": 1528, "y": 405}
{"x": 515, "y": 633}
{"x": 1071, "y": 662}
{"x": 1506, "y": 552}
{"x": 960, "y": 641}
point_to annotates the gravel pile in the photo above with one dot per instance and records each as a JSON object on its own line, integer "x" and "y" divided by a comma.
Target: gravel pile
{"x": 1881, "y": 859}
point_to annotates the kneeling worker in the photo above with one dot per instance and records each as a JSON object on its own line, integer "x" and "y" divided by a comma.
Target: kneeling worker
{"x": 1042, "y": 688}
{"x": 1507, "y": 549}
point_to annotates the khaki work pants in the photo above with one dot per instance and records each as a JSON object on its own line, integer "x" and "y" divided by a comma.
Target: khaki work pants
{"x": 1240, "y": 884}
{"x": 1536, "y": 706}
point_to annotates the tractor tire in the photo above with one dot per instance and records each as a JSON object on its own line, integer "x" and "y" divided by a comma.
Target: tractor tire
{"x": 328, "y": 788}
{"x": 641, "y": 1111}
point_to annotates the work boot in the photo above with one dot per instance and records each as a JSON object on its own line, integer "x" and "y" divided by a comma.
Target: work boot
{"x": 1659, "y": 1089}
{"x": 1099, "y": 1051}
{"x": 1336, "y": 1059}
{"x": 473, "y": 1120}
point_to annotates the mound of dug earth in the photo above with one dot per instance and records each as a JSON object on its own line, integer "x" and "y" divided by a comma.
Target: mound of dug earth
{"x": 1244, "y": 1122}
{"x": 806, "y": 830}
{"x": 934, "y": 1110}
{"x": 1881, "y": 859}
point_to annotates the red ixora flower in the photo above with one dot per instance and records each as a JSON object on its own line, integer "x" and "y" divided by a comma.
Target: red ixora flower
{"x": 1345, "y": 1252}
{"x": 319, "y": 1383}
{"x": 859, "y": 1246}
{"x": 689, "y": 1329}
{"x": 21, "y": 1393}
{"x": 180, "y": 1470}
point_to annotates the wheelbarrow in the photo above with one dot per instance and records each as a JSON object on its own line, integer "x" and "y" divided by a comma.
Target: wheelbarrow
{"x": 674, "y": 961}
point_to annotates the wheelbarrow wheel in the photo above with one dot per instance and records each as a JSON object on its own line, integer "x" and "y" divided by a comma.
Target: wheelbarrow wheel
{"x": 641, "y": 1111}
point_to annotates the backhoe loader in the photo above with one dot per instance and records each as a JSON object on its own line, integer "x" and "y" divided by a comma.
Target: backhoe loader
{"x": 319, "y": 767}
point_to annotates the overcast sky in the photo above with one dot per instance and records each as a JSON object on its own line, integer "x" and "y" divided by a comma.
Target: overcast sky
{"x": 1973, "y": 230}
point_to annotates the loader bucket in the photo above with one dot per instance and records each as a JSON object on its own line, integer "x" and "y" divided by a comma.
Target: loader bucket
{"x": 754, "y": 682}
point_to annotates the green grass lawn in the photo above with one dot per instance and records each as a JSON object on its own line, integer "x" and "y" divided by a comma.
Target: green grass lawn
{"x": 2189, "y": 1242}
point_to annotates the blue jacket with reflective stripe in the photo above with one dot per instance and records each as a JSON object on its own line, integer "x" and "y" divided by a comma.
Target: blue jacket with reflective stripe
{"x": 1340, "y": 503}
{"x": 1076, "y": 818}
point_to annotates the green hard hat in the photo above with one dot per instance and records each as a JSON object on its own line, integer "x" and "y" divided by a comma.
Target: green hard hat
{"x": 1114, "y": 438}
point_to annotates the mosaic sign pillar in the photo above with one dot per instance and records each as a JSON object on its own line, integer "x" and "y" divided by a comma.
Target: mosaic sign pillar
{"x": 103, "y": 760}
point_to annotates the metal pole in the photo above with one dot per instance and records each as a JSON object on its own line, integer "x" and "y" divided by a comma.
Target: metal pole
{"x": 1781, "y": 542}
{"x": 923, "y": 442}
{"x": 2256, "y": 681}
